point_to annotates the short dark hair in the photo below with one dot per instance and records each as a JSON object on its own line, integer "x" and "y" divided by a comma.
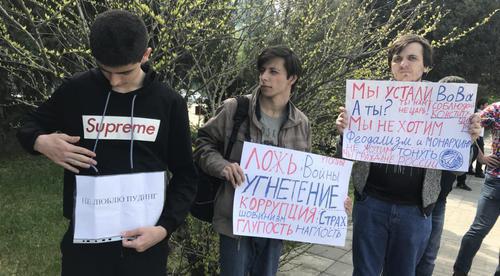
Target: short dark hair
{"x": 403, "y": 41}
{"x": 455, "y": 79}
{"x": 292, "y": 61}
{"x": 118, "y": 38}
{"x": 481, "y": 102}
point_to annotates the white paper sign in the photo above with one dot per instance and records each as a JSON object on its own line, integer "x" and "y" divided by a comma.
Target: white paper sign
{"x": 417, "y": 124}
{"x": 108, "y": 205}
{"x": 291, "y": 195}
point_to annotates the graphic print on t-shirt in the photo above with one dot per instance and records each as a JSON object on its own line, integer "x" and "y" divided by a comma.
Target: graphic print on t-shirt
{"x": 120, "y": 128}
{"x": 270, "y": 129}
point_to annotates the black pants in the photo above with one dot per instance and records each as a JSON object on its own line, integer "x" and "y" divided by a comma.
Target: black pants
{"x": 111, "y": 259}
{"x": 479, "y": 166}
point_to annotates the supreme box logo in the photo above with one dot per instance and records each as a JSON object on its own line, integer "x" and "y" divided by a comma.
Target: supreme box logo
{"x": 120, "y": 128}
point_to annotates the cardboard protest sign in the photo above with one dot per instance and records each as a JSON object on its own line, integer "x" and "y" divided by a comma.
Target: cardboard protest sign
{"x": 291, "y": 195}
{"x": 417, "y": 124}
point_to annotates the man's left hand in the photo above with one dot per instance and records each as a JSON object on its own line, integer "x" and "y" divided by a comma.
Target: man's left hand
{"x": 474, "y": 126}
{"x": 141, "y": 239}
{"x": 348, "y": 205}
{"x": 491, "y": 160}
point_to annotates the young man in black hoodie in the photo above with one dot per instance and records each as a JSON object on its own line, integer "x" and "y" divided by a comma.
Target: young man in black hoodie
{"x": 117, "y": 119}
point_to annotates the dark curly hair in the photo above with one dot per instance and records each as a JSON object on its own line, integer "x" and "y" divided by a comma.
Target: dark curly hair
{"x": 118, "y": 38}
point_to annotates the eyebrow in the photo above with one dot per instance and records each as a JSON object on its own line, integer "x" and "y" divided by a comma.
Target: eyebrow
{"x": 270, "y": 67}
{"x": 409, "y": 55}
{"x": 122, "y": 72}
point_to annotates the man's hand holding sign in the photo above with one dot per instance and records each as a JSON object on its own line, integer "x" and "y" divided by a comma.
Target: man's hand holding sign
{"x": 144, "y": 237}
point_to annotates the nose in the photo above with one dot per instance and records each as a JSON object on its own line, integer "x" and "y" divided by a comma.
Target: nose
{"x": 404, "y": 63}
{"x": 114, "y": 79}
{"x": 264, "y": 76}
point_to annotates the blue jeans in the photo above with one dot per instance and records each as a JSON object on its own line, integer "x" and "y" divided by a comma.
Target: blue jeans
{"x": 249, "y": 256}
{"x": 387, "y": 236}
{"x": 426, "y": 265}
{"x": 488, "y": 209}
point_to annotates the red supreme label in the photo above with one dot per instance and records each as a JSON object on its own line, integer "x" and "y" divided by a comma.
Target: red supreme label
{"x": 120, "y": 128}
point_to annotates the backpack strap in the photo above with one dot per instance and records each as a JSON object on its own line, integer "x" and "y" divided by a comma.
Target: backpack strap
{"x": 239, "y": 117}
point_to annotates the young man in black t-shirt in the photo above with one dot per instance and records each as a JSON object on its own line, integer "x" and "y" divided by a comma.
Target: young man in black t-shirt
{"x": 391, "y": 216}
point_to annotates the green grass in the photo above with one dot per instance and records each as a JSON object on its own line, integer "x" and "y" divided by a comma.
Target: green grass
{"x": 31, "y": 221}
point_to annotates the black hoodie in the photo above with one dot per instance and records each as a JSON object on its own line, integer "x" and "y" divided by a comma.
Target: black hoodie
{"x": 160, "y": 128}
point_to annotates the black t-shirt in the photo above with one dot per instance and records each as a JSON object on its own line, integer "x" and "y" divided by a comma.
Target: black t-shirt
{"x": 396, "y": 184}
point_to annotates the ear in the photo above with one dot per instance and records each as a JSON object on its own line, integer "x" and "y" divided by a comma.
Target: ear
{"x": 145, "y": 56}
{"x": 293, "y": 79}
{"x": 427, "y": 70}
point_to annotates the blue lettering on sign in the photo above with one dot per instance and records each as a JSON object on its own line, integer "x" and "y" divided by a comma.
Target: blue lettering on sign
{"x": 457, "y": 96}
{"x": 451, "y": 159}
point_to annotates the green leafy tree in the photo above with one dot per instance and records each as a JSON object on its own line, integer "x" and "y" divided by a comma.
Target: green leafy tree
{"x": 338, "y": 40}
{"x": 207, "y": 50}
{"x": 476, "y": 55}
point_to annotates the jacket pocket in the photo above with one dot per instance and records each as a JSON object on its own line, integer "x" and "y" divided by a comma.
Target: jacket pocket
{"x": 224, "y": 201}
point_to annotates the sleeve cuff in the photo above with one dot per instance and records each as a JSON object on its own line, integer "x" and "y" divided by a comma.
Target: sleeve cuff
{"x": 168, "y": 225}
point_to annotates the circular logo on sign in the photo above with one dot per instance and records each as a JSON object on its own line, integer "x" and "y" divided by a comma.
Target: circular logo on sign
{"x": 451, "y": 159}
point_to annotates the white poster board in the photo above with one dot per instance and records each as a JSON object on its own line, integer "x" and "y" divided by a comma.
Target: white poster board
{"x": 291, "y": 195}
{"x": 106, "y": 206}
{"x": 417, "y": 124}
